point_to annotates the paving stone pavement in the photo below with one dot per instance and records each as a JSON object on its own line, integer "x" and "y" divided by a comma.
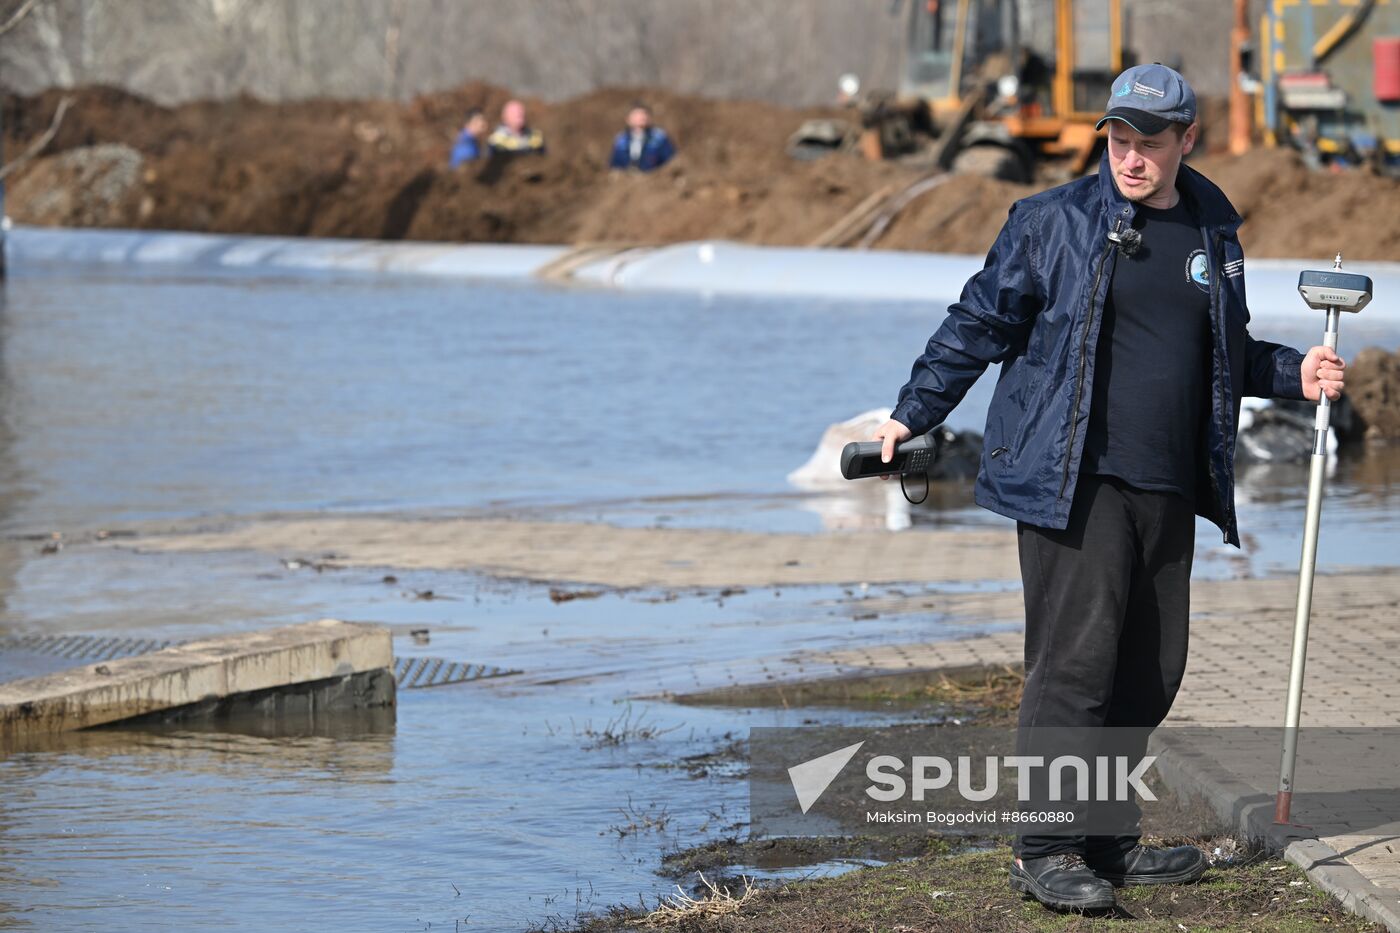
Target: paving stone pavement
{"x": 1237, "y": 675}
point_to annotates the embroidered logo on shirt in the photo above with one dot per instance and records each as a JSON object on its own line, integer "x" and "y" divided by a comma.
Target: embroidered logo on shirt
{"x": 1198, "y": 270}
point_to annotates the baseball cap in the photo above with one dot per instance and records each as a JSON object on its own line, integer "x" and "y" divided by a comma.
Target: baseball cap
{"x": 1149, "y": 98}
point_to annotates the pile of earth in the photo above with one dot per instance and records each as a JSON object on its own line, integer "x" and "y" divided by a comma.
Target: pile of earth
{"x": 1373, "y": 387}
{"x": 377, "y": 169}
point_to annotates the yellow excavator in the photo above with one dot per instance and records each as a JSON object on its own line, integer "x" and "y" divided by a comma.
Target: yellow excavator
{"x": 996, "y": 87}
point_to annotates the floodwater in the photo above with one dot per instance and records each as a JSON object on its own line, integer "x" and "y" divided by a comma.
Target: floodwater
{"x": 136, "y": 396}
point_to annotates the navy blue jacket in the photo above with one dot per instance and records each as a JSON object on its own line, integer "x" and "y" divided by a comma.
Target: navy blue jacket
{"x": 657, "y": 150}
{"x": 1036, "y": 308}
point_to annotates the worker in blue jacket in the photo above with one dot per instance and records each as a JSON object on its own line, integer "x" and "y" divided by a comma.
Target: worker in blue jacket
{"x": 1115, "y": 305}
{"x": 468, "y": 146}
{"x": 641, "y": 146}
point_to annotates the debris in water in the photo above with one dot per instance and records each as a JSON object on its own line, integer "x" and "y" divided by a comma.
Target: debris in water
{"x": 559, "y": 595}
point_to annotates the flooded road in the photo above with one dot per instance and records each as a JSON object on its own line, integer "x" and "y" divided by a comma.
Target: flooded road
{"x": 142, "y": 398}
{"x": 512, "y": 792}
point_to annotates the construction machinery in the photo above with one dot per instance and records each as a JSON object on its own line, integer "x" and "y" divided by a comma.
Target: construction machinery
{"x": 1325, "y": 75}
{"x": 996, "y": 87}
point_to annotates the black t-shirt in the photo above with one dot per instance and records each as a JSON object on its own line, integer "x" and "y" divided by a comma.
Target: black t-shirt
{"x": 1152, "y": 361}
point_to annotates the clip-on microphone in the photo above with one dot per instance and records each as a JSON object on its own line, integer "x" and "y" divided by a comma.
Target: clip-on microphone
{"x": 1129, "y": 241}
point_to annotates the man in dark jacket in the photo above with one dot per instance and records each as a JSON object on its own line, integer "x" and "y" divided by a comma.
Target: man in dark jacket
{"x": 641, "y": 146}
{"x": 1116, "y": 307}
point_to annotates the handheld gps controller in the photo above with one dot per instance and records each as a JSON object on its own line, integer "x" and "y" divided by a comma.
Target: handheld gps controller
{"x": 916, "y": 455}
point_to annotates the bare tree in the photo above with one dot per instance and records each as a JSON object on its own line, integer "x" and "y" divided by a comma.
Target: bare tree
{"x": 777, "y": 50}
{"x": 18, "y": 15}
{"x": 40, "y": 144}
{"x": 393, "y": 59}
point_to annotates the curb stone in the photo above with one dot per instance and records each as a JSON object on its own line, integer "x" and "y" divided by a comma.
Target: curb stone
{"x": 1250, "y": 813}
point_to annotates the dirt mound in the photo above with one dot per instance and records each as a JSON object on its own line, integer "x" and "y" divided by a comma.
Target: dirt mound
{"x": 962, "y": 216}
{"x": 1293, "y": 212}
{"x": 1373, "y": 385}
{"x": 92, "y": 186}
{"x": 377, "y": 169}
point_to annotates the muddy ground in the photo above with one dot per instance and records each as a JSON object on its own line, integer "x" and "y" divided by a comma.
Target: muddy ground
{"x": 377, "y": 169}
{"x": 968, "y": 891}
{"x": 580, "y": 553}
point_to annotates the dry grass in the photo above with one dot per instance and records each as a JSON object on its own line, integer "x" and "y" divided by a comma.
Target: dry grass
{"x": 968, "y": 891}
{"x": 680, "y": 908}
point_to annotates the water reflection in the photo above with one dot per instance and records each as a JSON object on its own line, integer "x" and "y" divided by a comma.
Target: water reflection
{"x": 255, "y": 747}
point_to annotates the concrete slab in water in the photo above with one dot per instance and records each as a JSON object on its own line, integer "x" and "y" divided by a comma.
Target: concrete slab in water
{"x": 194, "y": 673}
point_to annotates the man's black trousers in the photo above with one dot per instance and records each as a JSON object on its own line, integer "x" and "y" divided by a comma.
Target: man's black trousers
{"x": 1107, "y": 603}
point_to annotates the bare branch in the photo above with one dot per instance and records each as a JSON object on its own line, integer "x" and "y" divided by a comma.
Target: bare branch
{"x": 18, "y": 15}
{"x": 38, "y": 145}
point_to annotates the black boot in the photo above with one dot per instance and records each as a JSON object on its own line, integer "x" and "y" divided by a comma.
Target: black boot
{"x": 1062, "y": 880}
{"x": 1145, "y": 865}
